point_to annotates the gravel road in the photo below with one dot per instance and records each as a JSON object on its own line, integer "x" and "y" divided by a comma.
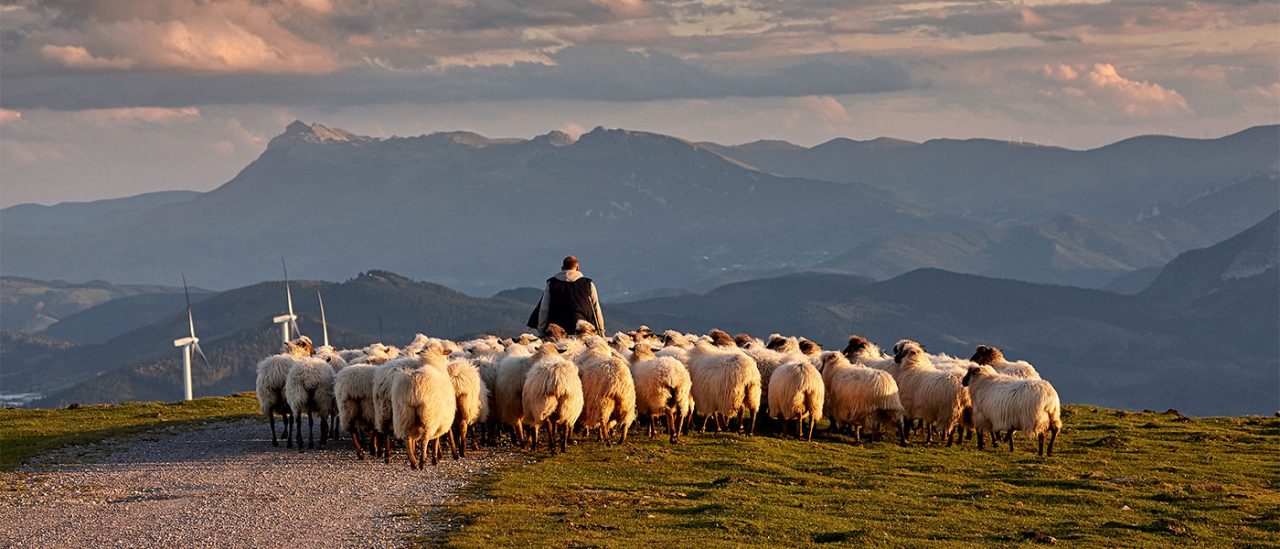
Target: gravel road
{"x": 224, "y": 485}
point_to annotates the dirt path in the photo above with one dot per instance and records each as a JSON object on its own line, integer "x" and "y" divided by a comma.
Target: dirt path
{"x": 223, "y": 485}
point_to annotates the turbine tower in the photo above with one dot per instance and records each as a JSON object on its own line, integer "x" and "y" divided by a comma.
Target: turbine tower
{"x": 324, "y": 321}
{"x": 188, "y": 344}
{"x": 287, "y": 320}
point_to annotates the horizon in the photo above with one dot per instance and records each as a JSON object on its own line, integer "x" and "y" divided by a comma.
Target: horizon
{"x": 4, "y": 204}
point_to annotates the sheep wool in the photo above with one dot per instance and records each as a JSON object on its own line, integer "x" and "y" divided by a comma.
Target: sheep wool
{"x": 796, "y": 392}
{"x": 471, "y": 398}
{"x": 608, "y": 391}
{"x": 1007, "y": 403}
{"x": 863, "y": 398}
{"x": 309, "y": 389}
{"x": 725, "y": 382}
{"x": 935, "y": 397}
{"x": 994, "y": 357}
{"x": 662, "y": 390}
{"x": 424, "y": 408}
{"x": 552, "y": 393}
{"x": 353, "y": 391}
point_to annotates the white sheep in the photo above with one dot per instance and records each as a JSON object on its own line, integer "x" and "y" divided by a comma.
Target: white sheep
{"x": 383, "y": 379}
{"x": 773, "y": 355}
{"x": 472, "y": 398}
{"x": 273, "y": 373}
{"x": 662, "y": 389}
{"x": 513, "y": 365}
{"x": 993, "y": 357}
{"x": 796, "y": 392}
{"x": 933, "y": 396}
{"x": 608, "y": 390}
{"x": 725, "y": 382}
{"x": 353, "y": 391}
{"x": 309, "y": 389}
{"x": 552, "y": 393}
{"x": 1007, "y": 403}
{"x": 860, "y": 397}
{"x": 424, "y": 408}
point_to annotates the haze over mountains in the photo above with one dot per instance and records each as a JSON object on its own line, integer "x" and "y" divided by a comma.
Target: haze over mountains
{"x": 846, "y": 237}
{"x": 1202, "y": 339}
{"x": 650, "y": 212}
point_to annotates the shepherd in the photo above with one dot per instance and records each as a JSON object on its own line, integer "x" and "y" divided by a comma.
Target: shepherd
{"x": 568, "y": 298}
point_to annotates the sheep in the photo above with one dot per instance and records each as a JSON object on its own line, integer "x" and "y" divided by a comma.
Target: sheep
{"x": 662, "y": 389}
{"x": 337, "y": 363}
{"x": 935, "y": 397}
{"x": 309, "y": 389}
{"x": 795, "y": 392}
{"x": 424, "y": 408}
{"x": 583, "y": 328}
{"x": 352, "y": 356}
{"x": 993, "y": 357}
{"x": 471, "y": 397}
{"x": 745, "y": 341}
{"x": 273, "y": 373}
{"x": 552, "y": 393}
{"x": 1007, "y": 403}
{"x": 513, "y": 365}
{"x": 779, "y": 351}
{"x": 353, "y": 390}
{"x": 378, "y": 353}
{"x": 487, "y": 366}
{"x": 608, "y": 391}
{"x": 725, "y": 382}
{"x": 383, "y": 412}
{"x": 861, "y": 397}
{"x": 866, "y": 353}
{"x": 675, "y": 345}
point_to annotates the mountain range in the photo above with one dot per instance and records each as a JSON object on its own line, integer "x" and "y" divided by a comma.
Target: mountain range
{"x": 1202, "y": 338}
{"x": 651, "y": 214}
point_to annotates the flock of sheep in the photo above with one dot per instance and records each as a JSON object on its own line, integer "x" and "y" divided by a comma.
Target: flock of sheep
{"x": 436, "y": 390}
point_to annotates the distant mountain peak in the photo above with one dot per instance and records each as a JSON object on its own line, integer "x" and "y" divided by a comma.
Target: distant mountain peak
{"x": 301, "y": 132}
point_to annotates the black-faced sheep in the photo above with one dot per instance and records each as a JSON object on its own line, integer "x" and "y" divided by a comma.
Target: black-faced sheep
{"x": 993, "y": 357}
{"x": 935, "y": 397}
{"x": 1006, "y": 403}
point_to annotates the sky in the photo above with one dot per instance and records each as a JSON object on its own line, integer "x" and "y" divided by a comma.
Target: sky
{"x": 108, "y": 99}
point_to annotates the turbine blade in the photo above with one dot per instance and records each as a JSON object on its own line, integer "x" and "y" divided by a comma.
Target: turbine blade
{"x": 186, "y": 292}
{"x": 293, "y": 325}
{"x": 191, "y": 321}
{"x": 201, "y": 353}
{"x": 289, "y": 294}
{"x": 324, "y": 321}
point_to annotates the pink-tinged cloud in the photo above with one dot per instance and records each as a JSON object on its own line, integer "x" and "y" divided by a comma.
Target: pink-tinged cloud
{"x": 77, "y": 57}
{"x": 8, "y": 116}
{"x": 104, "y": 117}
{"x": 1102, "y": 90}
{"x": 825, "y": 107}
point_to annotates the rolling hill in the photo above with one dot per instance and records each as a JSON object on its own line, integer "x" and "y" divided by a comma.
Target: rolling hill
{"x": 33, "y": 305}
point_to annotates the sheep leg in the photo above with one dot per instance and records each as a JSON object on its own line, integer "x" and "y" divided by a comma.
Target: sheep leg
{"x": 311, "y": 430}
{"x": 271, "y": 418}
{"x": 462, "y": 440}
{"x": 533, "y": 444}
{"x": 552, "y": 429}
{"x": 386, "y": 447}
{"x": 1053, "y": 435}
{"x": 705, "y": 419}
{"x": 288, "y": 430}
{"x": 324, "y": 431}
{"x": 298, "y": 431}
{"x": 453, "y": 445}
{"x": 1010, "y": 437}
{"x": 564, "y": 438}
{"x": 355, "y": 439}
{"x": 413, "y": 451}
{"x": 752, "y": 431}
{"x": 813, "y": 424}
{"x": 671, "y": 427}
{"x": 1040, "y": 452}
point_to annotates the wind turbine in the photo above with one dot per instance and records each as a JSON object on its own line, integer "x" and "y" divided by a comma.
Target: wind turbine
{"x": 188, "y": 344}
{"x": 324, "y": 322}
{"x": 287, "y": 320}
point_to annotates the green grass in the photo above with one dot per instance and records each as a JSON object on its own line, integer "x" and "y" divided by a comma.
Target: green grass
{"x": 27, "y": 433}
{"x": 1201, "y": 482}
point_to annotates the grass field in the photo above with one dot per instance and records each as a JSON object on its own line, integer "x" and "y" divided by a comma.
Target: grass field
{"x": 28, "y": 433}
{"x": 1117, "y": 479}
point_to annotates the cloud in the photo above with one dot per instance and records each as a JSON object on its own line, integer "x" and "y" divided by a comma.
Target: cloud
{"x": 77, "y": 57}
{"x": 9, "y": 116}
{"x": 579, "y": 72}
{"x": 826, "y": 108}
{"x": 153, "y": 115}
{"x": 1101, "y": 89}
